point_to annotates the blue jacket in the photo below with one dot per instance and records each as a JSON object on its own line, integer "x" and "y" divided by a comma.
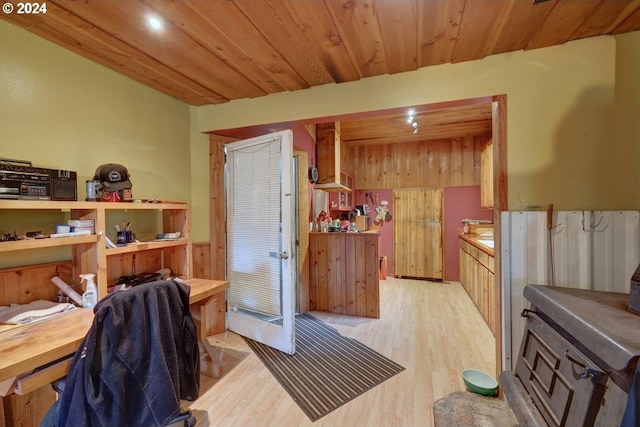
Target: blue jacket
{"x": 138, "y": 360}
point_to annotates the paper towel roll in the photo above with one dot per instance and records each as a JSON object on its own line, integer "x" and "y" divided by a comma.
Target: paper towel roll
{"x": 67, "y": 289}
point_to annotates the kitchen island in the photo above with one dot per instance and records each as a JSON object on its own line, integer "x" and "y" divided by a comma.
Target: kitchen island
{"x": 344, "y": 273}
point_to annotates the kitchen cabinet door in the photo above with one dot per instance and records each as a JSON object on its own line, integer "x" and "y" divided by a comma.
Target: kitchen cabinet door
{"x": 486, "y": 175}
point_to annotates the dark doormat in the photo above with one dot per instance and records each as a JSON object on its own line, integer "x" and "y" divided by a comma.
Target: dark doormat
{"x": 327, "y": 370}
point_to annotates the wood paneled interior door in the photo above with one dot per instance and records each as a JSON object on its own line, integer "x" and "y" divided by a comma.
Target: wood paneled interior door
{"x": 417, "y": 229}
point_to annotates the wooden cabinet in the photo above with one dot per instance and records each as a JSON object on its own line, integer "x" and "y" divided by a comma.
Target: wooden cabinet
{"x": 329, "y": 149}
{"x": 343, "y": 200}
{"x": 89, "y": 253}
{"x": 486, "y": 175}
{"x": 477, "y": 276}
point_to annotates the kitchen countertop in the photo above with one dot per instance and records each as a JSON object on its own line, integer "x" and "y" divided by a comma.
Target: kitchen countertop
{"x": 484, "y": 243}
{"x": 348, "y": 233}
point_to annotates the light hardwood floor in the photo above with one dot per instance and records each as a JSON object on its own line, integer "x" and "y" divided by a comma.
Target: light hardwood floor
{"x": 432, "y": 329}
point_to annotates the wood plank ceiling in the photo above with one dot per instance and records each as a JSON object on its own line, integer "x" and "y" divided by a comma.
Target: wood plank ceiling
{"x": 216, "y": 51}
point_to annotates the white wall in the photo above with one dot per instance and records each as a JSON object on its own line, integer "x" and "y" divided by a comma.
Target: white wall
{"x": 596, "y": 250}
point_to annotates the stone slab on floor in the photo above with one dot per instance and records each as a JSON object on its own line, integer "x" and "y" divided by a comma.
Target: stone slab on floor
{"x": 465, "y": 409}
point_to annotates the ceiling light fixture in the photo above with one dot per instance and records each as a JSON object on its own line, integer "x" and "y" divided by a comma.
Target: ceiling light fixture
{"x": 155, "y": 23}
{"x": 411, "y": 120}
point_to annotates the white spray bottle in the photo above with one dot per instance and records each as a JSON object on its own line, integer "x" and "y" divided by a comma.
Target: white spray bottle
{"x": 90, "y": 295}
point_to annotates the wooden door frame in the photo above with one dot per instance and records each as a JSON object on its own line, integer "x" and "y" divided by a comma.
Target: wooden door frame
{"x": 499, "y": 135}
{"x": 500, "y": 204}
{"x": 218, "y": 227}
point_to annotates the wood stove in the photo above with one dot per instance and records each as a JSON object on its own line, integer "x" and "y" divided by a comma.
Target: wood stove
{"x": 576, "y": 364}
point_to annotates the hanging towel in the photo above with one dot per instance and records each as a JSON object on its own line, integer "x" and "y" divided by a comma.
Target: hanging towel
{"x": 22, "y": 314}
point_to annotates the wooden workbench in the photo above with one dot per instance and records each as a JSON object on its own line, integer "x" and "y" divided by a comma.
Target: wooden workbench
{"x": 24, "y": 350}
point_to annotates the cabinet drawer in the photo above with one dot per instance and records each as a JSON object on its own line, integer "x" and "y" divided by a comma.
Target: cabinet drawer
{"x": 483, "y": 258}
{"x": 566, "y": 386}
{"x": 474, "y": 251}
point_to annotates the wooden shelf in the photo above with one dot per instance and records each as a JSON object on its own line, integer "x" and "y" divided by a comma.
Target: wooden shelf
{"x": 46, "y": 243}
{"x": 89, "y": 252}
{"x": 146, "y": 246}
{"x": 69, "y": 206}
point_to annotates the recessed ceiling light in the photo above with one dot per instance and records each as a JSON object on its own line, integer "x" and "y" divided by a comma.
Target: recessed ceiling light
{"x": 155, "y": 23}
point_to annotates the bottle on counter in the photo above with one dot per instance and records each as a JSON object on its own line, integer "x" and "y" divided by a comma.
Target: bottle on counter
{"x": 90, "y": 295}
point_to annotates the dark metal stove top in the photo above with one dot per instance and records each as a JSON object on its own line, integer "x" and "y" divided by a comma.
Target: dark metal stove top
{"x": 601, "y": 321}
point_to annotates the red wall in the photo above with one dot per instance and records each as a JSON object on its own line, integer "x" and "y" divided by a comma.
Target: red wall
{"x": 459, "y": 203}
{"x": 386, "y": 227}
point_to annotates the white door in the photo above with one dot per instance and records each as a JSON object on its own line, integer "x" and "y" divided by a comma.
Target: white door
{"x": 259, "y": 225}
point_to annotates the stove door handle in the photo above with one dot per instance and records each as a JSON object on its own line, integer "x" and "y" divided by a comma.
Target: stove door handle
{"x": 588, "y": 373}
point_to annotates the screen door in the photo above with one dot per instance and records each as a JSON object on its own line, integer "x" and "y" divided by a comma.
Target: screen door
{"x": 259, "y": 226}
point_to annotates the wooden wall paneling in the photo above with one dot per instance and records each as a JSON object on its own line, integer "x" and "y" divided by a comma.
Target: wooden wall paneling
{"x": 571, "y": 251}
{"x": 313, "y": 274}
{"x": 432, "y": 166}
{"x": 372, "y": 276}
{"x": 218, "y": 228}
{"x": 384, "y": 170}
{"x": 336, "y": 287}
{"x": 150, "y": 262}
{"x": 84, "y": 260}
{"x": 526, "y": 254}
{"x": 626, "y": 247}
{"x": 322, "y": 273}
{"x": 444, "y": 160}
{"x": 616, "y": 252}
{"x": 500, "y": 204}
{"x": 179, "y": 260}
{"x": 603, "y": 270}
{"x": 23, "y": 285}
{"x": 28, "y": 410}
{"x": 429, "y": 164}
{"x": 468, "y": 161}
{"x": 304, "y": 207}
{"x": 456, "y": 163}
{"x": 478, "y": 143}
{"x": 392, "y": 174}
{"x": 361, "y": 283}
{"x": 514, "y": 280}
{"x": 350, "y": 264}
{"x": 201, "y": 260}
{"x": 118, "y": 265}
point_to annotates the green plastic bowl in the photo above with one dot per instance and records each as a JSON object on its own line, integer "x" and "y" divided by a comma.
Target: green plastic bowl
{"x": 479, "y": 382}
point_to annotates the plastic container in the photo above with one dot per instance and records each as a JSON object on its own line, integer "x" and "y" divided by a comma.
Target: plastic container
{"x": 67, "y": 290}
{"x": 90, "y": 295}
